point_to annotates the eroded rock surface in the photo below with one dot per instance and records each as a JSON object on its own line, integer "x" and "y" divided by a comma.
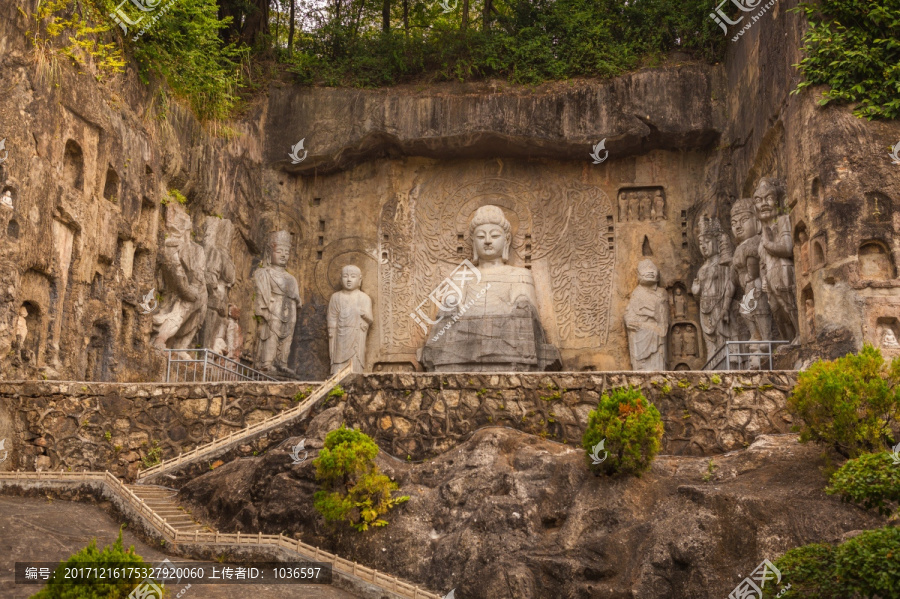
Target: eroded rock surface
{"x": 508, "y": 514}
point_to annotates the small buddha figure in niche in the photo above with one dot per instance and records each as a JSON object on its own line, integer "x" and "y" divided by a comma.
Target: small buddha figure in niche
{"x": 889, "y": 339}
{"x": 494, "y": 326}
{"x": 679, "y": 302}
{"x": 6, "y": 201}
{"x": 645, "y": 205}
{"x": 349, "y": 319}
{"x": 659, "y": 206}
{"x": 647, "y": 320}
{"x": 276, "y": 305}
{"x": 690, "y": 340}
{"x": 678, "y": 341}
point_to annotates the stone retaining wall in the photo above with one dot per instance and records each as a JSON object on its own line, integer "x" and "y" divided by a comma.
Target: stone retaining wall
{"x": 705, "y": 413}
{"x": 117, "y": 427}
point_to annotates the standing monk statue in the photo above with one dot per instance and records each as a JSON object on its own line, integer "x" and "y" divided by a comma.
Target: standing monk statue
{"x": 276, "y": 303}
{"x": 349, "y": 318}
{"x": 776, "y": 253}
{"x": 745, "y": 266}
{"x": 647, "y": 320}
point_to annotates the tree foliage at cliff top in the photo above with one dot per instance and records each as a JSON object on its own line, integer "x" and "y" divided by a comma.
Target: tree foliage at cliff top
{"x": 853, "y": 46}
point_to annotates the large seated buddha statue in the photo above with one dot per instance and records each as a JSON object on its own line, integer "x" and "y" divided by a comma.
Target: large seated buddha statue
{"x": 490, "y": 321}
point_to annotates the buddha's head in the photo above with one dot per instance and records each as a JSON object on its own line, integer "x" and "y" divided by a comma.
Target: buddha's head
{"x": 279, "y": 248}
{"x": 709, "y": 237}
{"x": 490, "y": 232}
{"x": 744, "y": 223}
{"x": 351, "y": 277}
{"x": 767, "y": 199}
{"x": 648, "y": 274}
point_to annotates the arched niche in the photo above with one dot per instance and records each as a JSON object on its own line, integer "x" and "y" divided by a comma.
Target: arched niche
{"x": 801, "y": 242}
{"x": 816, "y": 190}
{"x": 73, "y": 166}
{"x": 808, "y": 312}
{"x": 818, "y": 252}
{"x": 97, "y": 356}
{"x": 28, "y": 329}
{"x": 111, "y": 187}
{"x": 12, "y": 229}
{"x": 875, "y": 262}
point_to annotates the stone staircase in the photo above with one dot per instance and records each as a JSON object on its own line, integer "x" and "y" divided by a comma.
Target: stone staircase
{"x": 162, "y": 501}
{"x": 219, "y": 446}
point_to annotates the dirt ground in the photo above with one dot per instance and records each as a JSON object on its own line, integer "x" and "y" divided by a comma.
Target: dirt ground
{"x": 42, "y": 530}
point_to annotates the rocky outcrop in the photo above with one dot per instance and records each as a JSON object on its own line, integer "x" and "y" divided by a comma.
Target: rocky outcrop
{"x": 511, "y": 515}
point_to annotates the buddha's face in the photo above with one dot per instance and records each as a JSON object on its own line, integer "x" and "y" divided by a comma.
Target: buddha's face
{"x": 350, "y": 279}
{"x": 489, "y": 240}
{"x": 648, "y": 277}
{"x": 280, "y": 254}
{"x": 708, "y": 246}
{"x": 744, "y": 226}
{"x": 765, "y": 200}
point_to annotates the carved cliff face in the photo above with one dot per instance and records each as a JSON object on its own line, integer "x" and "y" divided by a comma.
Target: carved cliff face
{"x": 489, "y": 240}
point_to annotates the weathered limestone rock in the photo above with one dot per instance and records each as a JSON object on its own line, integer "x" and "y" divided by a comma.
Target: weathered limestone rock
{"x": 276, "y": 305}
{"x": 491, "y": 323}
{"x": 349, "y": 318}
{"x": 647, "y": 320}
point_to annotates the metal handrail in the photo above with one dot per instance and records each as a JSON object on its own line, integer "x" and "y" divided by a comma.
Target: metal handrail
{"x": 387, "y": 582}
{"x": 217, "y": 445}
{"x": 758, "y": 351}
{"x": 216, "y": 368}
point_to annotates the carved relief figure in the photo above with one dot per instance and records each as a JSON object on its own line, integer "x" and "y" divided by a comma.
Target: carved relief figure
{"x": 6, "y": 201}
{"x": 776, "y": 253}
{"x": 349, "y": 318}
{"x": 234, "y": 336}
{"x": 678, "y": 297}
{"x": 659, "y": 206}
{"x": 219, "y": 279}
{"x": 494, "y": 325}
{"x": 647, "y": 320}
{"x": 644, "y": 197}
{"x": 678, "y": 341}
{"x": 754, "y": 305}
{"x": 632, "y": 207}
{"x": 888, "y": 340}
{"x": 276, "y": 305}
{"x": 623, "y": 206}
{"x": 690, "y": 340}
{"x": 183, "y": 266}
{"x": 715, "y": 288}
{"x": 803, "y": 238}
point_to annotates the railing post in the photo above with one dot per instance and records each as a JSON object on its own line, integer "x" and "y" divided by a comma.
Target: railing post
{"x": 168, "y": 365}
{"x": 205, "y": 363}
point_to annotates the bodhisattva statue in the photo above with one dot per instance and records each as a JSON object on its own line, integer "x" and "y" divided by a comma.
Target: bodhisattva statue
{"x": 276, "y": 304}
{"x": 776, "y": 253}
{"x": 219, "y": 279}
{"x": 745, "y": 264}
{"x": 715, "y": 288}
{"x": 647, "y": 320}
{"x": 183, "y": 266}
{"x": 494, "y": 324}
{"x": 349, "y": 318}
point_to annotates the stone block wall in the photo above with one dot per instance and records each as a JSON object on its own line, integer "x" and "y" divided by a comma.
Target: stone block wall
{"x": 705, "y": 413}
{"x": 121, "y": 427}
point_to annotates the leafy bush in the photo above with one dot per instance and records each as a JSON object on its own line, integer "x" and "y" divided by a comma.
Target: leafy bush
{"x": 851, "y": 46}
{"x": 871, "y": 480}
{"x": 94, "y": 588}
{"x": 353, "y": 488}
{"x": 867, "y": 565}
{"x": 850, "y": 403}
{"x": 632, "y": 428}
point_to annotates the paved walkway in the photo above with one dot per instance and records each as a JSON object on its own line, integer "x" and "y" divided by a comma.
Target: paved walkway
{"x": 51, "y": 530}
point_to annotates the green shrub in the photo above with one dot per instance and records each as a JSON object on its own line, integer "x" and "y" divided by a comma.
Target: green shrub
{"x": 871, "y": 480}
{"x": 95, "y": 588}
{"x": 632, "y": 428}
{"x": 850, "y": 403}
{"x": 353, "y": 489}
{"x": 867, "y": 565}
{"x": 851, "y": 46}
